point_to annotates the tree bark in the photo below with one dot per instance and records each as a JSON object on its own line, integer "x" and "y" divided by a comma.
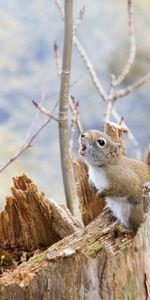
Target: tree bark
{"x": 31, "y": 220}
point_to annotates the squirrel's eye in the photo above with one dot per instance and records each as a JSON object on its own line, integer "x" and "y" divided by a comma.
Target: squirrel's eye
{"x": 101, "y": 142}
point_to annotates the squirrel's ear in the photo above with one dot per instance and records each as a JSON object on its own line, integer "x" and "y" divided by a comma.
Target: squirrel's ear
{"x": 118, "y": 148}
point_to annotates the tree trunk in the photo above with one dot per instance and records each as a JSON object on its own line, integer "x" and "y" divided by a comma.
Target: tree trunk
{"x": 46, "y": 254}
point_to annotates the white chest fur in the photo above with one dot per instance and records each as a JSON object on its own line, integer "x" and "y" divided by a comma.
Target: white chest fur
{"x": 120, "y": 208}
{"x": 98, "y": 178}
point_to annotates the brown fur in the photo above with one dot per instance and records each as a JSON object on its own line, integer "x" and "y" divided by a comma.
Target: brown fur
{"x": 147, "y": 156}
{"x": 125, "y": 176}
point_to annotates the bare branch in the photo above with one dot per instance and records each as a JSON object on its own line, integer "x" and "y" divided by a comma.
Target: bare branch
{"x": 132, "y": 50}
{"x": 96, "y": 82}
{"x": 29, "y": 132}
{"x": 27, "y": 144}
{"x": 75, "y": 81}
{"x": 75, "y": 110}
{"x": 90, "y": 68}
{"x": 109, "y": 104}
{"x": 108, "y": 111}
{"x": 129, "y": 133}
{"x": 74, "y": 105}
{"x": 66, "y": 163}
{"x": 116, "y": 116}
{"x": 131, "y": 88}
{"x": 24, "y": 147}
{"x": 104, "y": 95}
{"x": 121, "y": 121}
{"x": 44, "y": 111}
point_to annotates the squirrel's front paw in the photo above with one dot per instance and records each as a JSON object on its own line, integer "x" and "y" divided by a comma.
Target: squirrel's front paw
{"x": 92, "y": 185}
{"x": 102, "y": 193}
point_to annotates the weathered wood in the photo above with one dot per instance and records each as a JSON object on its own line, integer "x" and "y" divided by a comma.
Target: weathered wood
{"x": 30, "y": 220}
{"x": 101, "y": 261}
{"x": 90, "y": 204}
{"x": 117, "y": 133}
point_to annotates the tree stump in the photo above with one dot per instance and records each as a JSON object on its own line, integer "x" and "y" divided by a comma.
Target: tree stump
{"x": 45, "y": 253}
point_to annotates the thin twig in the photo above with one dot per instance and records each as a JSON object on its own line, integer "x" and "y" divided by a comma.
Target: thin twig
{"x": 109, "y": 104}
{"x": 90, "y": 68}
{"x": 24, "y": 147}
{"x": 132, "y": 50}
{"x": 129, "y": 133}
{"x": 29, "y": 132}
{"x": 75, "y": 110}
{"x": 74, "y": 106}
{"x": 75, "y": 81}
{"x": 27, "y": 144}
{"x": 131, "y": 88}
{"x": 44, "y": 111}
{"x": 28, "y": 138}
{"x": 113, "y": 96}
{"x": 79, "y": 19}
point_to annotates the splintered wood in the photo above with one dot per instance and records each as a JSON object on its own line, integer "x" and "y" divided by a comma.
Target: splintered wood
{"x": 91, "y": 205}
{"x": 117, "y": 132}
{"x": 30, "y": 220}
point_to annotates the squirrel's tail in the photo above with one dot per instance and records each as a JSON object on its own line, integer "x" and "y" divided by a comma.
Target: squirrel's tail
{"x": 147, "y": 156}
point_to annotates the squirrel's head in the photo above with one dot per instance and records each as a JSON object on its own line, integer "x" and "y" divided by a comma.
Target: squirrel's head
{"x": 97, "y": 148}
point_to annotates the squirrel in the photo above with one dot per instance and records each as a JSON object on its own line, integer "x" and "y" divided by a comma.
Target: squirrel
{"x": 116, "y": 177}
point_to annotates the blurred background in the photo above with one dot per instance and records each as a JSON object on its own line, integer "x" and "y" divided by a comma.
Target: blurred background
{"x": 28, "y": 30}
